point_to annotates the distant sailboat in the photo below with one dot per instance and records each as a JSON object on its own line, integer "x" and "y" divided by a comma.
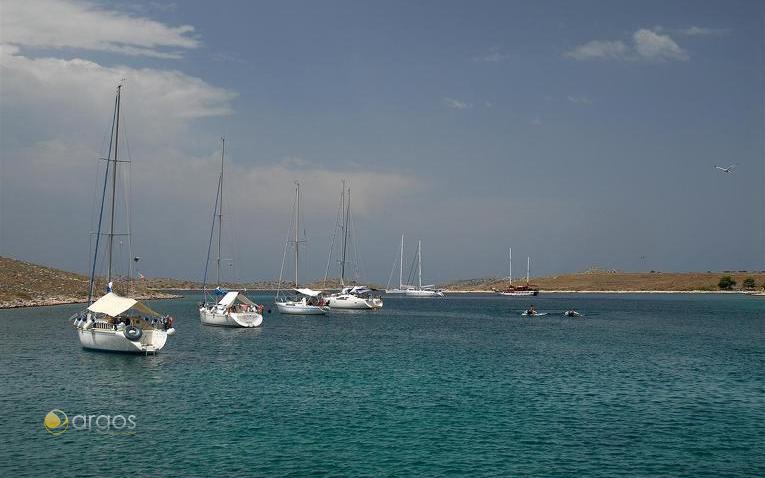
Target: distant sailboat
{"x": 304, "y": 301}
{"x": 353, "y": 297}
{"x": 115, "y": 323}
{"x": 400, "y": 261}
{"x": 234, "y": 309}
{"x": 422, "y": 290}
{"x": 519, "y": 290}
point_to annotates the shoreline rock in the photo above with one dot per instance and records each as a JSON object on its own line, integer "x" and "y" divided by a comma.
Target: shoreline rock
{"x": 51, "y": 301}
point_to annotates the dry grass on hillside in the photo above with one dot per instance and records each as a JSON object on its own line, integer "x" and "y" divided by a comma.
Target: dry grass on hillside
{"x": 24, "y": 284}
{"x": 621, "y": 281}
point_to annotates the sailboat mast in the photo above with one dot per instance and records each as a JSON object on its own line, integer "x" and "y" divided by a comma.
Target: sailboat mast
{"x": 511, "y": 266}
{"x": 528, "y": 269}
{"x": 346, "y": 232}
{"x": 220, "y": 207}
{"x": 297, "y": 227}
{"x": 401, "y": 266}
{"x": 419, "y": 264}
{"x": 344, "y": 227}
{"x": 92, "y": 281}
{"x": 114, "y": 185}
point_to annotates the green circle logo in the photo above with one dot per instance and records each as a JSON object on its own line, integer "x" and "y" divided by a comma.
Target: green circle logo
{"x": 56, "y": 422}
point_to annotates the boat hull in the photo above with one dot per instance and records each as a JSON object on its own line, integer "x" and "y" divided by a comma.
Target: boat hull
{"x": 423, "y": 293}
{"x": 233, "y": 319}
{"x": 297, "y": 308}
{"x": 520, "y": 293}
{"x": 115, "y": 341}
{"x": 348, "y": 301}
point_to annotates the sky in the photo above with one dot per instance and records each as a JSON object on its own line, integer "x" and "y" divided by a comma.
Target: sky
{"x": 582, "y": 134}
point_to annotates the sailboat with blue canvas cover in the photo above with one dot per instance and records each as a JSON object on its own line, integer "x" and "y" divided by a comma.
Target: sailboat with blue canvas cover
{"x": 350, "y": 296}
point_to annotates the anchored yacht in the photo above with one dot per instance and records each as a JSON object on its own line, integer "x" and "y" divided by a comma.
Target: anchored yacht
{"x": 115, "y": 323}
{"x": 303, "y": 301}
{"x": 234, "y": 309}
{"x": 349, "y": 297}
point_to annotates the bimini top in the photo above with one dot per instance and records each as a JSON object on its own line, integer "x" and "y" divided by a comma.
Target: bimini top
{"x": 113, "y": 305}
{"x": 230, "y": 297}
{"x": 360, "y": 289}
{"x": 308, "y": 292}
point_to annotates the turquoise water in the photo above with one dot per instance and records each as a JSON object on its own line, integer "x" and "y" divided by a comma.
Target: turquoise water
{"x": 651, "y": 385}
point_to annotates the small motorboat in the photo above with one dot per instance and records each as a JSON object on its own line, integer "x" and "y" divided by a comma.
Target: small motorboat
{"x": 572, "y": 313}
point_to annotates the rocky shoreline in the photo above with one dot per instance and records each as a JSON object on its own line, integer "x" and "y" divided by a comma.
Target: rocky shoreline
{"x": 59, "y": 300}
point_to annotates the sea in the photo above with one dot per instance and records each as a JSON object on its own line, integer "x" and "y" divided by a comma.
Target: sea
{"x": 643, "y": 385}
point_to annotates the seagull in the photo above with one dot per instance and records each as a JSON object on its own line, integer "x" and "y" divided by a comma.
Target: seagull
{"x": 729, "y": 169}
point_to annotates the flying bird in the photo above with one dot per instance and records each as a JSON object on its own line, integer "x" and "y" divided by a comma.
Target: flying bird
{"x": 729, "y": 169}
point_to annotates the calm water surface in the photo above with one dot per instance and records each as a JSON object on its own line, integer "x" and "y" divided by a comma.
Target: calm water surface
{"x": 646, "y": 385}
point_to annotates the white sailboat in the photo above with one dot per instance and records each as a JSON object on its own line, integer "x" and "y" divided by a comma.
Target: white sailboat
{"x": 234, "y": 309}
{"x": 114, "y": 323}
{"x": 422, "y": 290}
{"x": 519, "y": 290}
{"x": 349, "y": 297}
{"x": 303, "y": 301}
{"x": 400, "y": 261}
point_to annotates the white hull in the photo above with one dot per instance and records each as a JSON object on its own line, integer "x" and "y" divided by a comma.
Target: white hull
{"x": 115, "y": 341}
{"x": 523, "y": 293}
{"x": 300, "y": 308}
{"x": 349, "y": 301}
{"x": 230, "y": 319}
{"x": 423, "y": 293}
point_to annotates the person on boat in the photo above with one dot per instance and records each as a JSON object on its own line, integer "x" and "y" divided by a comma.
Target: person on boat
{"x": 531, "y": 310}
{"x": 572, "y": 313}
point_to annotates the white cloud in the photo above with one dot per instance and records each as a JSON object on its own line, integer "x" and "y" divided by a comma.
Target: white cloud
{"x": 647, "y": 45}
{"x": 599, "y": 49}
{"x": 161, "y": 101}
{"x": 583, "y": 100}
{"x": 702, "y": 31}
{"x": 56, "y": 113}
{"x": 656, "y": 47}
{"x": 457, "y": 104}
{"x": 84, "y": 25}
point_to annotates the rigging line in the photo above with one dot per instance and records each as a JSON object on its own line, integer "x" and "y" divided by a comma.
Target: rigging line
{"x": 209, "y": 244}
{"x": 410, "y": 278}
{"x": 332, "y": 241}
{"x": 358, "y": 266}
{"x": 128, "y": 193}
{"x": 392, "y": 269}
{"x": 128, "y": 188}
{"x": 230, "y": 239}
{"x": 346, "y": 231}
{"x": 286, "y": 243}
{"x": 101, "y": 213}
{"x": 93, "y": 203}
{"x": 234, "y": 250}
